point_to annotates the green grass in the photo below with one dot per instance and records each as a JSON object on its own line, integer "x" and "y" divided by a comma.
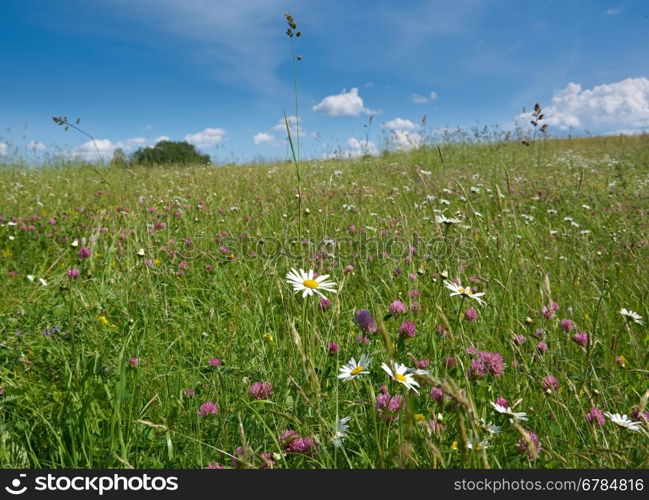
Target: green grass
{"x": 74, "y": 401}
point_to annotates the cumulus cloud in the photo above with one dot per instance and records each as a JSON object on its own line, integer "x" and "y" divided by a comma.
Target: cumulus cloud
{"x": 263, "y": 138}
{"x": 3, "y": 148}
{"x": 93, "y": 151}
{"x": 36, "y": 146}
{"x": 398, "y": 124}
{"x": 358, "y": 147}
{"x": 161, "y": 138}
{"x": 293, "y": 121}
{"x": 405, "y": 141}
{"x": 423, "y": 99}
{"x": 623, "y": 104}
{"x": 343, "y": 104}
{"x": 104, "y": 148}
{"x": 206, "y": 138}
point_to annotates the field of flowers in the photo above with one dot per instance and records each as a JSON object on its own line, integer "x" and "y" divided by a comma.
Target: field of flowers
{"x": 476, "y": 306}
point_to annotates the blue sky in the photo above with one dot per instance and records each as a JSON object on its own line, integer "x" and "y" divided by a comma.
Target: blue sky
{"x": 218, "y": 72}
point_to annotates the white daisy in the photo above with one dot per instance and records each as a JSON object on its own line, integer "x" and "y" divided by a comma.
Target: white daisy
{"x": 353, "y": 369}
{"x": 623, "y": 421}
{"x": 306, "y": 283}
{"x": 342, "y": 430}
{"x": 506, "y": 410}
{"x": 442, "y": 219}
{"x": 401, "y": 374}
{"x": 464, "y": 292}
{"x": 42, "y": 281}
{"x": 631, "y": 316}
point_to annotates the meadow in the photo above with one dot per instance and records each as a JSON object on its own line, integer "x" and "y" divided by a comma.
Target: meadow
{"x": 146, "y": 318}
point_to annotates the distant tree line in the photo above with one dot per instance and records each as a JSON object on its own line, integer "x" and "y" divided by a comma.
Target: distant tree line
{"x": 163, "y": 153}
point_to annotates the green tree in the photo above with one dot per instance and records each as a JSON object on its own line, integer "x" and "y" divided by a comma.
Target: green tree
{"x": 169, "y": 153}
{"x": 119, "y": 158}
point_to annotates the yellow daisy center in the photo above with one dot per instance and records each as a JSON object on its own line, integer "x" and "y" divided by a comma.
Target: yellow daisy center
{"x": 311, "y": 284}
{"x": 400, "y": 378}
{"x": 461, "y": 290}
{"x": 357, "y": 370}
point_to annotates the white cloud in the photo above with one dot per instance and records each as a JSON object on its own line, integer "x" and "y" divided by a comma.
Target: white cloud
{"x": 161, "y": 138}
{"x": 293, "y": 121}
{"x": 359, "y": 147}
{"x": 206, "y": 138}
{"x": 3, "y": 148}
{"x": 617, "y": 105}
{"x": 36, "y": 146}
{"x": 423, "y": 99}
{"x": 343, "y": 104}
{"x": 93, "y": 151}
{"x": 262, "y": 137}
{"x": 398, "y": 124}
{"x": 89, "y": 152}
{"x": 405, "y": 141}
{"x": 613, "y": 12}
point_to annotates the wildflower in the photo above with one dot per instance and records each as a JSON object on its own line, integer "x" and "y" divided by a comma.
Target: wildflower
{"x": 437, "y": 394}
{"x": 348, "y": 269}
{"x": 353, "y": 369}
{"x": 84, "y": 253}
{"x": 450, "y": 362}
{"x": 268, "y": 337}
{"x": 581, "y": 339}
{"x": 520, "y": 339}
{"x": 133, "y": 362}
{"x": 341, "y": 432}
{"x": 362, "y": 339}
{"x": 292, "y": 442}
{"x": 215, "y": 465}
{"x": 208, "y": 408}
{"x": 73, "y": 273}
{"x": 214, "y": 362}
{"x": 324, "y": 304}
{"x": 623, "y": 421}
{"x": 364, "y": 320}
{"x": 596, "y": 417}
{"x": 640, "y": 416}
{"x": 397, "y": 307}
{"x": 415, "y": 307}
{"x": 333, "y": 348}
{"x": 487, "y": 363}
{"x": 422, "y": 363}
{"x": 501, "y": 406}
{"x": 548, "y": 313}
{"x": 567, "y": 325}
{"x": 407, "y": 329}
{"x": 448, "y": 221}
{"x": 189, "y": 392}
{"x": 261, "y": 390}
{"x": 630, "y": 316}
{"x": 541, "y": 347}
{"x": 400, "y": 373}
{"x": 470, "y": 315}
{"x": 103, "y": 320}
{"x": 42, "y": 281}
{"x": 388, "y": 406}
{"x": 621, "y": 360}
{"x": 551, "y": 383}
{"x": 308, "y": 284}
{"x": 140, "y": 252}
{"x": 531, "y": 445}
{"x": 464, "y": 292}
